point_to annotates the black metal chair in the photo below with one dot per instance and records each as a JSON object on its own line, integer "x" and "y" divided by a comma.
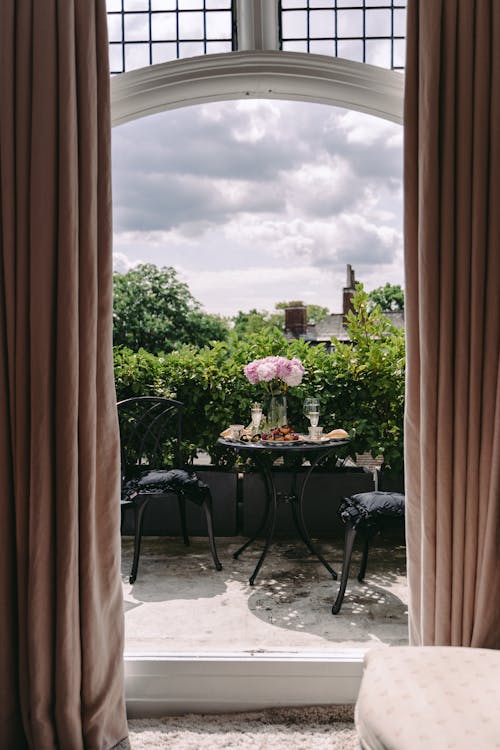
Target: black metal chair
{"x": 152, "y": 467}
{"x": 368, "y": 513}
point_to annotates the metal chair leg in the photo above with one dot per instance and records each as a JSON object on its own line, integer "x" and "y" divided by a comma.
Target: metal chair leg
{"x": 364, "y": 559}
{"x": 182, "y": 512}
{"x": 207, "y": 506}
{"x": 140, "y": 506}
{"x": 350, "y": 535}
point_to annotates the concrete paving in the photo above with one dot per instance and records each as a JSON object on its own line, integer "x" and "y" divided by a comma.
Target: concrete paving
{"x": 181, "y": 604}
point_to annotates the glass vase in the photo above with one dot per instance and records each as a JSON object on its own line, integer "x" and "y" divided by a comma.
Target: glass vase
{"x": 276, "y": 411}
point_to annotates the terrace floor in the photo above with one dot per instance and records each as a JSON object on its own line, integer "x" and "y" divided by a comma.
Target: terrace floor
{"x": 181, "y": 604}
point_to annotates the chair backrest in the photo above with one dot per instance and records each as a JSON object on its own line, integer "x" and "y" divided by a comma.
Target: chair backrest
{"x": 150, "y": 434}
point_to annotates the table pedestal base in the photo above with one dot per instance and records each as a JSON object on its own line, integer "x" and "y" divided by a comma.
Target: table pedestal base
{"x": 295, "y": 500}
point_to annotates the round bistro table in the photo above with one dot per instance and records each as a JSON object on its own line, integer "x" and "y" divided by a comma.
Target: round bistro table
{"x": 264, "y": 455}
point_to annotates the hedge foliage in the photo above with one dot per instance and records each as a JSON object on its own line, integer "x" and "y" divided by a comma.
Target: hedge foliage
{"x": 360, "y": 385}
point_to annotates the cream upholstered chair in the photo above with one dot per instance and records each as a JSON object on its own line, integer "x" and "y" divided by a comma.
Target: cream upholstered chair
{"x": 432, "y": 698}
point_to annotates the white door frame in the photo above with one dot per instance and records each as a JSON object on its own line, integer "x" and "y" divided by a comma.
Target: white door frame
{"x": 175, "y": 683}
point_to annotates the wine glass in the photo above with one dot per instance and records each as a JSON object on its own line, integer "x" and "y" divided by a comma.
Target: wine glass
{"x": 311, "y": 411}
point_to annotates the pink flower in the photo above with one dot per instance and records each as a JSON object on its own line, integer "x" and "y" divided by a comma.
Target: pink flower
{"x": 296, "y": 373}
{"x": 266, "y": 370}
{"x": 250, "y": 371}
{"x": 289, "y": 371}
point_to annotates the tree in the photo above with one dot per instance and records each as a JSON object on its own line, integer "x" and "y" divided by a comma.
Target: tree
{"x": 154, "y": 310}
{"x": 390, "y": 298}
{"x": 254, "y": 321}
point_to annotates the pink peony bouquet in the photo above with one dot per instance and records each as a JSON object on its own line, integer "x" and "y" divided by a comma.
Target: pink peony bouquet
{"x": 277, "y": 373}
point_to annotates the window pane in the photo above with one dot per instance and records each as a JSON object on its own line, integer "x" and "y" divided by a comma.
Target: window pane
{"x": 136, "y": 56}
{"x": 293, "y": 3}
{"x": 135, "y": 5}
{"x": 294, "y": 46}
{"x": 137, "y": 27}
{"x": 115, "y": 58}
{"x": 323, "y": 47}
{"x": 378, "y": 23}
{"x": 191, "y": 49}
{"x": 163, "y": 5}
{"x": 214, "y": 48}
{"x": 321, "y": 23}
{"x": 218, "y": 25}
{"x": 113, "y": 5}
{"x": 190, "y": 25}
{"x": 294, "y": 24}
{"x": 321, "y": 3}
{"x": 399, "y": 53}
{"x": 115, "y": 28}
{"x": 216, "y": 4}
{"x": 350, "y": 23}
{"x": 400, "y": 23}
{"x": 378, "y": 52}
{"x": 190, "y": 4}
{"x": 351, "y": 50}
{"x": 164, "y": 52}
{"x": 163, "y": 26}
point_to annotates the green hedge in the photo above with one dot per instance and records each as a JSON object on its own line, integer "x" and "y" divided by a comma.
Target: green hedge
{"x": 360, "y": 385}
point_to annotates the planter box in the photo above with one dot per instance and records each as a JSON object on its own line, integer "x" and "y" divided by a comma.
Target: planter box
{"x": 391, "y": 482}
{"x": 162, "y": 515}
{"x": 324, "y": 494}
{"x": 238, "y": 504}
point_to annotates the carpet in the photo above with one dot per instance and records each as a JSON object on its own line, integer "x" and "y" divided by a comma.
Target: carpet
{"x": 318, "y": 727}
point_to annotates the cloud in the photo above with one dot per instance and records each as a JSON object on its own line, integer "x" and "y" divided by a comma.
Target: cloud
{"x": 278, "y": 185}
{"x": 122, "y": 263}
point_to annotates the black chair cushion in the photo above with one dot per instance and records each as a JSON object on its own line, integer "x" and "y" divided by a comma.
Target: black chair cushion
{"x": 371, "y": 508}
{"x": 159, "y": 482}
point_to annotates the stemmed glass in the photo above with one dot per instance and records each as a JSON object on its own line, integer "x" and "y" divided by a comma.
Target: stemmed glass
{"x": 311, "y": 410}
{"x": 256, "y": 418}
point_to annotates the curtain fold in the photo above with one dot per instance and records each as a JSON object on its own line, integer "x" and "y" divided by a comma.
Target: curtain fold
{"x": 61, "y": 625}
{"x": 452, "y": 266}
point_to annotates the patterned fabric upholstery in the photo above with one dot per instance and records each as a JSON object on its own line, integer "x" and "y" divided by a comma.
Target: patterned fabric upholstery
{"x": 371, "y": 508}
{"x": 437, "y": 698}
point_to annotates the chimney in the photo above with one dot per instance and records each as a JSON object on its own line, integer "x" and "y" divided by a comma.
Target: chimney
{"x": 296, "y": 319}
{"x": 348, "y": 292}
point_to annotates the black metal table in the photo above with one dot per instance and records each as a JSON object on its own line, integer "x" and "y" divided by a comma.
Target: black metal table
{"x": 264, "y": 455}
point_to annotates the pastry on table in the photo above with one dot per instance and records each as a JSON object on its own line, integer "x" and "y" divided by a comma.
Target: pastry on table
{"x": 338, "y": 433}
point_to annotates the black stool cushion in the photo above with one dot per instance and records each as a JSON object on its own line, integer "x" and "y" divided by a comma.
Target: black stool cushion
{"x": 159, "y": 482}
{"x": 371, "y": 508}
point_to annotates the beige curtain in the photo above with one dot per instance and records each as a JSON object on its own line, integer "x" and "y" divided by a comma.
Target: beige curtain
{"x": 61, "y": 626}
{"x": 452, "y": 235}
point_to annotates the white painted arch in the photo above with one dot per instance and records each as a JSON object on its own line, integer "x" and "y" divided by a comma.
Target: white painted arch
{"x": 294, "y": 76}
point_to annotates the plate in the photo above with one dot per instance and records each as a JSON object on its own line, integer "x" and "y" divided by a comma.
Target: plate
{"x": 321, "y": 441}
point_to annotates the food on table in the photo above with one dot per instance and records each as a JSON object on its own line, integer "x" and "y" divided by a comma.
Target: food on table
{"x": 284, "y": 434}
{"x": 338, "y": 433}
{"x": 247, "y": 437}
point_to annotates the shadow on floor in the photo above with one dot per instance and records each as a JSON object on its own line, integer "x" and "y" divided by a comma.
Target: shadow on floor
{"x": 181, "y": 602}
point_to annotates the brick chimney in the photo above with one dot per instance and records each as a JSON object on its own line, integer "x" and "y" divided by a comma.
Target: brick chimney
{"x": 296, "y": 319}
{"x": 348, "y": 292}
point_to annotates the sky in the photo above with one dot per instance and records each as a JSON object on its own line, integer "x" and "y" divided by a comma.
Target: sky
{"x": 256, "y": 202}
